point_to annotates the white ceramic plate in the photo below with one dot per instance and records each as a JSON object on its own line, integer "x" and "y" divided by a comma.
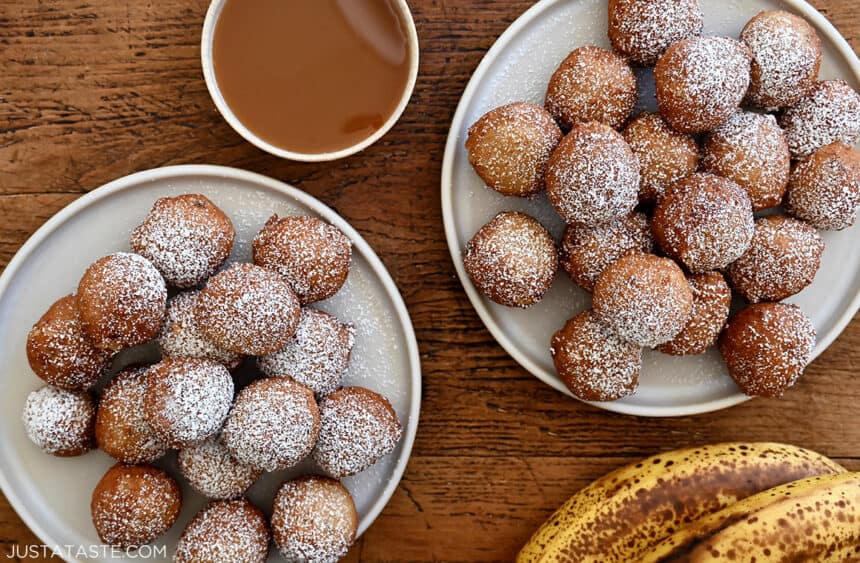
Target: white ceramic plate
{"x": 52, "y": 494}
{"x": 517, "y": 68}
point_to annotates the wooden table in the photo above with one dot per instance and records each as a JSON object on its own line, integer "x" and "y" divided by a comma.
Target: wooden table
{"x": 90, "y": 91}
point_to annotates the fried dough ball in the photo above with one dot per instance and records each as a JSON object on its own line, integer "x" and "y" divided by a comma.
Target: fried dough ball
{"x": 644, "y": 299}
{"x": 121, "y": 300}
{"x": 664, "y": 154}
{"x": 593, "y": 176}
{"x": 187, "y": 399}
{"x": 60, "y": 422}
{"x": 318, "y": 354}
{"x": 586, "y": 251}
{"x": 180, "y": 337}
{"x": 766, "y": 347}
{"x": 60, "y": 352}
{"x": 512, "y": 259}
{"x": 358, "y": 428}
{"x": 701, "y": 81}
{"x": 312, "y": 256}
{"x": 314, "y": 519}
{"x": 711, "y": 301}
{"x": 213, "y": 472}
{"x": 782, "y": 259}
{"x": 642, "y": 30}
{"x": 247, "y": 309}
{"x": 509, "y": 147}
{"x": 133, "y": 505}
{"x": 234, "y": 530}
{"x": 122, "y": 431}
{"x": 273, "y": 425}
{"x": 186, "y": 237}
{"x": 704, "y": 221}
{"x": 592, "y": 84}
{"x": 786, "y": 55}
{"x": 824, "y": 189}
{"x": 595, "y": 363}
{"x": 828, "y": 113}
{"x": 750, "y": 149}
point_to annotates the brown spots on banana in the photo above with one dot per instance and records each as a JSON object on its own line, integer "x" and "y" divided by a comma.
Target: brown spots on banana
{"x": 818, "y": 522}
{"x": 618, "y": 517}
{"x": 681, "y": 543}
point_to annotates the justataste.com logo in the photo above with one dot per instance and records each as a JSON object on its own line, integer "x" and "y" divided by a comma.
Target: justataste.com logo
{"x": 99, "y": 551}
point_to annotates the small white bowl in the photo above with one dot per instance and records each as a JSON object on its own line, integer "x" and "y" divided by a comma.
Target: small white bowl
{"x": 207, "y": 38}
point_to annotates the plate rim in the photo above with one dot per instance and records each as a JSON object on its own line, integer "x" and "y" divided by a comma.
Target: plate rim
{"x": 822, "y": 25}
{"x": 130, "y": 181}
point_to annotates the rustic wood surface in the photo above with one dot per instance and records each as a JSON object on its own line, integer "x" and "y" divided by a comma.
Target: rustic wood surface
{"x": 90, "y": 91}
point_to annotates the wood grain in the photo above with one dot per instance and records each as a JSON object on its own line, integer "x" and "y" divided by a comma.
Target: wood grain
{"x": 91, "y": 91}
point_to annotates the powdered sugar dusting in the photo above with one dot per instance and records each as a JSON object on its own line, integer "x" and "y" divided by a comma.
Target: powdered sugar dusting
{"x": 705, "y": 221}
{"x": 517, "y": 70}
{"x": 273, "y": 425}
{"x": 357, "y": 428}
{"x": 181, "y": 337}
{"x": 121, "y": 427}
{"x": 524, "y": 72}
{"x": 664, "y": 154}
{"x": 312, "y": 256}
{"x": 829, "y": 113}
{"x": 318, "y": 354}
{"x": 691, "y": 374}
{"x": 60, "y": 353}
{"x": 187, "y": 399}
{"x": 186, "y": 237}
{"x": 592, "y": 84}
{"x": 711, "y": 301}
{"x": 701, "y": 81}
{"x": 247, "y": 309}
{"x": 767, "y": 346}
{"x": 786, "y": 56}
{"x": 825, "y": 188}
{"x": 134, "y": 504}
{"x": 782, "y": 259}
{"x": 374, "y": 326}
{"x": 314, "y": 519}
{"x": 643, "y": 29}
{"x": 509, "y": 147}
{"x": 594, "y": 363}
{"x": 250, "y": 209}
{"x": 593, "y": 176}
{"x": 228, "y": 531}
{"x": 60, "y": 422}
{"x": 587, "y": 251}
{"x": 214, "y": 472}
{"x": 379, "y": 358}
{"x": 751, "y": 150}
{"x": 121, "y": 299}
{"x": 366, "y": 300}
{"x": 512, "y": 259}
{"x": 643, "y": 298}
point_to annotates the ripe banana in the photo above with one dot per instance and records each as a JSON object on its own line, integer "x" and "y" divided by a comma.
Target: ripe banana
{"x": 814, "y": 520}
{"x": 621, "y": 515}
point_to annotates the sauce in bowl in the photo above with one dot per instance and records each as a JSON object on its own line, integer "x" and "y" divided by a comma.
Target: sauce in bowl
{"x": 311, "y": 76}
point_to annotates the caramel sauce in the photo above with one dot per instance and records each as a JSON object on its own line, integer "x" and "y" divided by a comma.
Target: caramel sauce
{"x": 311, "y": 76}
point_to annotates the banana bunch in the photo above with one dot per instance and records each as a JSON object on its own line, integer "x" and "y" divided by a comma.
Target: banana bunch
{"x": 622, "y": 516}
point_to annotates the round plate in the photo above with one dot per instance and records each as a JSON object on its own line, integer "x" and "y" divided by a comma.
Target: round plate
{"x": 517, "y": 68}
{"x": 52, "y": 494}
